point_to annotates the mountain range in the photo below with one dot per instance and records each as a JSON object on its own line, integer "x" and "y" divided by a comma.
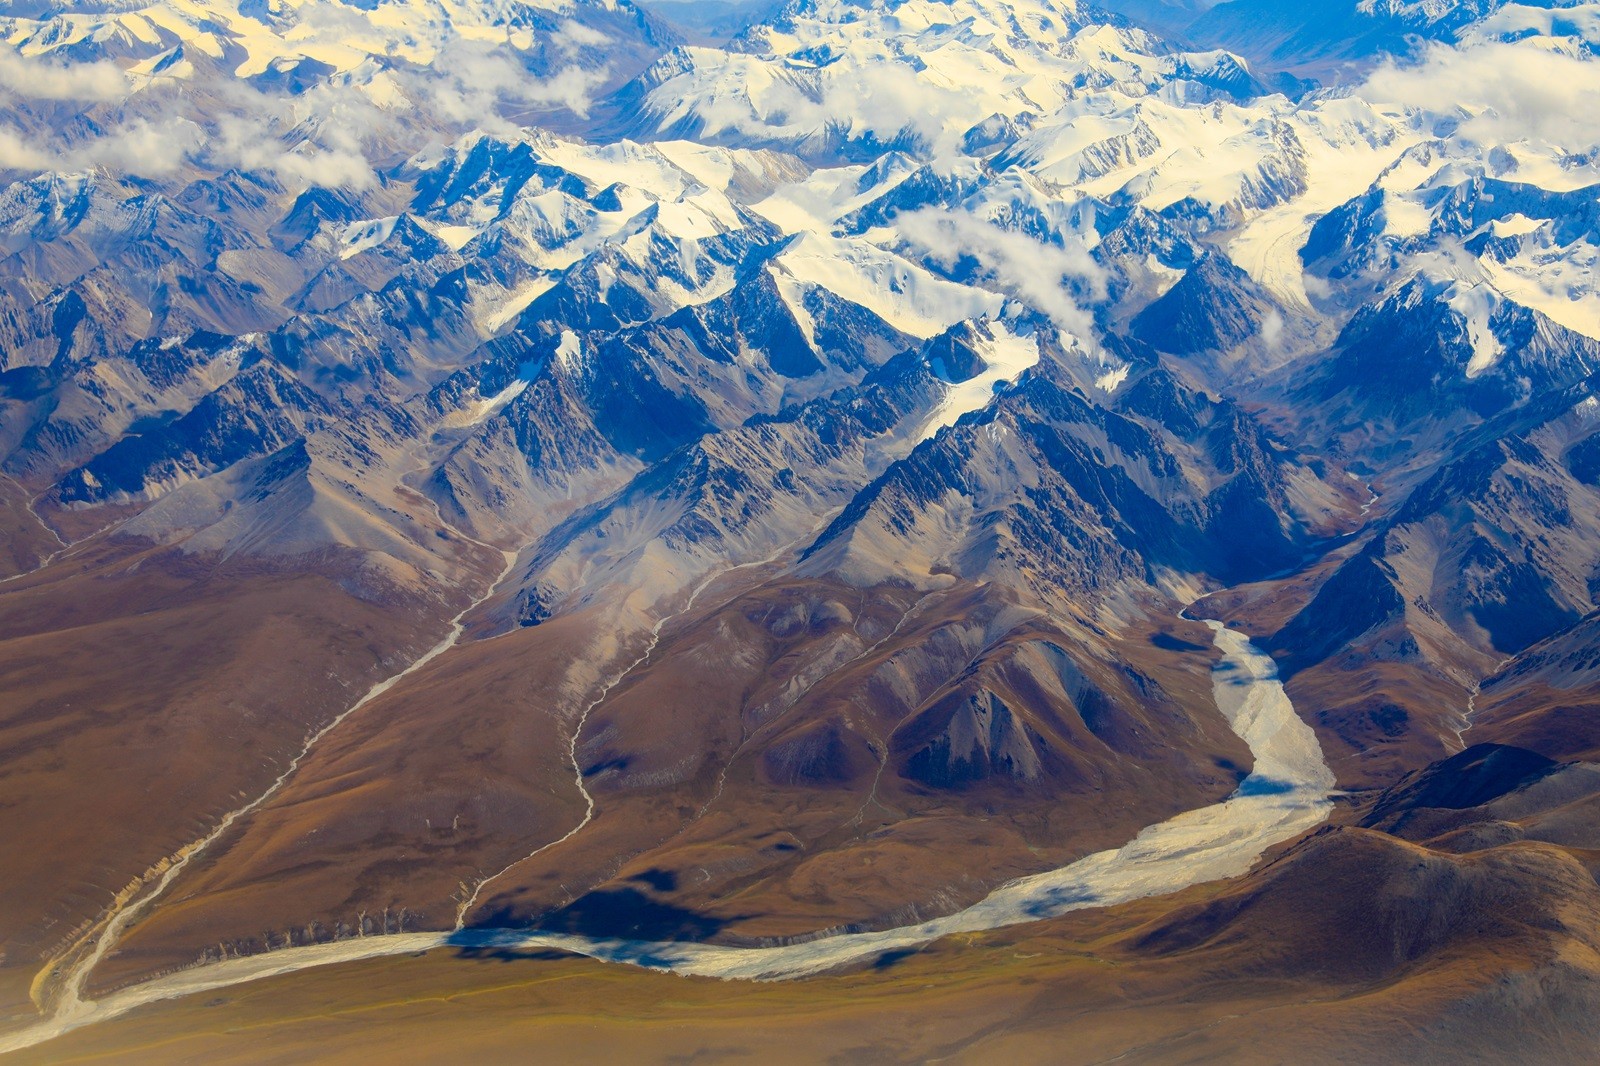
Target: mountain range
{"x": 740, "y": 476}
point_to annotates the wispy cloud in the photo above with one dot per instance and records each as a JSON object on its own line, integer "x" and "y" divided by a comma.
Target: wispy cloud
{"x": 1042, "y": 276}
{"x": 880, "y": 98}
{"x": 39, "y": 79}
{"x": 471, "y": 82}
{"x": 1500, "y": 91}
{"x": 144, "y": 147}
{"x": 330, "y": 135}
{"x": 573, "y": 37}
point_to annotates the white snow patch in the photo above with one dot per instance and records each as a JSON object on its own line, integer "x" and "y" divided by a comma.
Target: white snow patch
{"x": 359, "y": 237}
{"x": 1474, "y": 303}
{"x": 485, "y": 407}
{"x": 792, "y": 291}
{"x": 1005, "y": 355}
{"x": 1405, "y": 217}
{"x": 1165, "y": 277}
{"x": 1347, "y": 148}
{"x": 1560, "y": 283}
{"x": 569, "y": 352}
{"x": 909, "y": 298}
{"x": 456, "y": 237}
{"x": 825, "y": 196}
{"x": 1515, "y": 225}
{"x": 517, "y": 302}
{"x": 1112, "y": 379}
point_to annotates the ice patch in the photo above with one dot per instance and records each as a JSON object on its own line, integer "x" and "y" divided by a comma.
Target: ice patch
{"x": 456, "y": 237}
{"x": 1558, "y": 282}
{"x": 1405, "y": 217}
{"x": 516, "y": 303}
{"x": 1112, "y": 379}
{"x": 486, "y": 407}
{"x": 1515, "y": 225}
{"x": 569, "y": 352}
{"x": 909, "y": 298}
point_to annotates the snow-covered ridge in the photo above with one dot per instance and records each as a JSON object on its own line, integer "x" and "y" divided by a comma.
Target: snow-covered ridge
{"x": 827, "y": 72}
{"x": 254, "y": 36}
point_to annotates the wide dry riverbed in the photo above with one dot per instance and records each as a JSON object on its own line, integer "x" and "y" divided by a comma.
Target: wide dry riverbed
{"x": 1288, "y": 793}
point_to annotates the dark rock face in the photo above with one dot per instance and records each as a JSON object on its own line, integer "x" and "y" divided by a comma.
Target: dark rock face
{"x": 1360, "y": 597}
{"x": 1114, "y": 493}
{"x": 1215, "y": 307}
{"x": 1510, "y": 529}
{"x": 1399, "y": 363}
{"x": 819, "y": 755}
{"x": 259, "y": 412}
{"x": 1472, "y": 778}
{"x": 977, "y": 739}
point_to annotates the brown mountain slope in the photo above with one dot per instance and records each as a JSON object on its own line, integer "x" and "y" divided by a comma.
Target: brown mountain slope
{"x": 1352, "y": 948}
{"x": 148, "y": 691}
{"x": 788, "y": 757}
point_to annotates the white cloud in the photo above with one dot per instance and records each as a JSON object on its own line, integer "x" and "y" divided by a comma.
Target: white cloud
{"x": 38, "y": 79}
{"x": 1032, "y": 272}
{"x": 149, "y": 149}
{"x": 887, "y": 98}
{"x": 19, "y": 153}
{"x": 574, "y": 37}
{"x": 879, "y": 97}
{"x": 1502, "y": 92}
{"x": 328, "y": 135}
{"x": 475, "y": 84}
